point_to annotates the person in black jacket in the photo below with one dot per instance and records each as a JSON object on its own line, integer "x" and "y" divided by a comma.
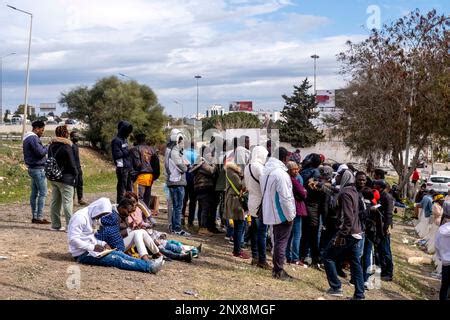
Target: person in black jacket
{"x": 122, "y": 158}
{"x": 384, "y": 249}
{"x": 63, "y": 188}
{"x": 76, "y": 153}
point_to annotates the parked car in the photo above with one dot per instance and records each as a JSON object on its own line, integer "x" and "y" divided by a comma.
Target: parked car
{"x": 71, "y": 121}
{"x": 440, "y": 184}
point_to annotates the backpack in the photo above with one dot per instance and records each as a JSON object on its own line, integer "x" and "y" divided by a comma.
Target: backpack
{"x": 52, "y": 170}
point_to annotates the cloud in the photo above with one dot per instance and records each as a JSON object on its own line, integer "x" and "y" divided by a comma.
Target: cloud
{"x": 243, "y": 49}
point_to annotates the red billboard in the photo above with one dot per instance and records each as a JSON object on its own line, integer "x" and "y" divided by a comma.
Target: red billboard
{"x": 241, "y": 106}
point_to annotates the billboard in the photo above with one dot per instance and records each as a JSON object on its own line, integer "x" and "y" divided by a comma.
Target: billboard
{"x": 325, "y": 98}
{"x": 47, "y": 107}
{"x": 241, "y": 106}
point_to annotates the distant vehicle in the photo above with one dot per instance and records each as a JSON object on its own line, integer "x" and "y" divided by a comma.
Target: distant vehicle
{"x": 71, "y": 121}
{"x": 440, "y": 184}
{"x": 52, "y": 122}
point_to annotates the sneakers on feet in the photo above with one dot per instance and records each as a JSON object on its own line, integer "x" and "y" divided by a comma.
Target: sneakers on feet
{"x": 38, "y": 221}
{"x": 368, "y": 286}
{"x": 265, "y": 265}
{"x": 81, "y": 202}
{"x": 187, "y": 257}
{"x": 182, "y": 233}
{"x": 58, "y": 229}
{"x": 282, "y": 275}
{"x": 204, "y": 232}
{"x": 157, "y": 265}
{"x": 242, "y": 255}
{"x": 386, "y": 278}
{"x": 335, "y": 292}
{"x": 300, "y": 264}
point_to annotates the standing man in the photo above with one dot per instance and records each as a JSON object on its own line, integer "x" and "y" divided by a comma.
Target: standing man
{"x": 35, "y": 155}
{"x": 74, "y": 137}
{"x": 278, "y": 208}
{"x": 176, "y": 167}
{"x": 122, "y": 159}
{"x": 387, "y": 208}
{"x": 348, "y": 240}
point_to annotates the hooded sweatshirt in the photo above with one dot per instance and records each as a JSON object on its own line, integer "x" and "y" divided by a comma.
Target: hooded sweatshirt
{"x": 442, "y": 244}
{"x": 34, "y": 153}
{"x": 278, "y": 199}
{"x": 61, "y": 150}
{"x": 80, "y": 235}
{"x": 174, "y": 164}
{"x": 348, "y": 210}
{"x": 119, "y": 145}
{"x": 257, "y": 161}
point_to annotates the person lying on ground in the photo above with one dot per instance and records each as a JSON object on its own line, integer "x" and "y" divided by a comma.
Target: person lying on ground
{"x": 85, "y": 248}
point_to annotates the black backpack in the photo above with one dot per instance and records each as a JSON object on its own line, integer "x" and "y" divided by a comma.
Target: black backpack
{"x": 52, "y": 170}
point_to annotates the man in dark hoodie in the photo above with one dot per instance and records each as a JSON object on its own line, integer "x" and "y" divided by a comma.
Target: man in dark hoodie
{"x": 348, "y": 240}
{"x": 122, "y": 158}
{"x": 74, "y": 137}
{"x": 35, "y": 154}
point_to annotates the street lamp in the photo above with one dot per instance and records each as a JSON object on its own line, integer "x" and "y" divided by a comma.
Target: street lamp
{"x": 25, "y": 107}
{"x": 1, "y": 84}
{"x": 197, "y": 77}
{"x": 182, "y": 113}
{"x": 315, "y": 57}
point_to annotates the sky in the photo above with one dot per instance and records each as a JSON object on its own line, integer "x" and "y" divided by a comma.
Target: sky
{"x": 248, "y": 50}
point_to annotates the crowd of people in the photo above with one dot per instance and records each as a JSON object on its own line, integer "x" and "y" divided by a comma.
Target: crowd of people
{"x": 306, "y": 212}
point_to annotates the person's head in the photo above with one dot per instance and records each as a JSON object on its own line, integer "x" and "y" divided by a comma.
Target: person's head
{"x": 361, "y": 180}
{"x": 379, "y": 185}
{"x": 326, "y": 173}
{"x": 423, "y": 187}
{"x": 132, "y": 196}
{"x": 62, "y": 131}
{"x": 74, "y": 136}
{"x": 140, "y": 138}
{"x": 293, "y": 168}
{"x": 439, "y": 198}
{"x": 126, "y": 207}
{"x": 99, "y": 208}
{"x": 38, "y": 127}
{"x": 124, "y": 129}
{"x": 346, "y": 179}
{"x": 283, "y": 154}
{"x": 379, "y": 174}
{"x": 247, "y": 142}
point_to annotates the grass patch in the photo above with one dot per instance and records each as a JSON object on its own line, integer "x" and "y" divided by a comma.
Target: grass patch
{"x": 98, "y": 173}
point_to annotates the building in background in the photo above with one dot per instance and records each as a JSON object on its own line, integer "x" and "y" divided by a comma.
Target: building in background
{"x": 215, "y": 110}
{"x": 46, "y": 108}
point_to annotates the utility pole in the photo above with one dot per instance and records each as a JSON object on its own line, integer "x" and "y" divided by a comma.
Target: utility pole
{"x": 197, "y": 77}
{"x": 315, "y": 57}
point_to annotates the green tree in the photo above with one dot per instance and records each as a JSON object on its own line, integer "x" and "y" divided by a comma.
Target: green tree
{"x": 300, "y": 108}
{"x": 111, "y": 100}
{"x": 232, "y": 120}
{"x": 399, "y": 71}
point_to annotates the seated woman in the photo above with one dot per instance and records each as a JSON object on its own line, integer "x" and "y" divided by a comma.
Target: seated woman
{"x": 115, "y": 231}
{"x": 139, "y": 221}
{"x": 86, "y": 248}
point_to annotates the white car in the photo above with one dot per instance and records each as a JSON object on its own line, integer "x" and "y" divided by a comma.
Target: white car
{"x": 440, "y": 184}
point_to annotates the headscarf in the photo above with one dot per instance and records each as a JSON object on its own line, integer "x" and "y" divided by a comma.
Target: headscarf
{"x": 326, "y": 172}
{"x": 347, "y": 179}
{"x": 292, "y": 165}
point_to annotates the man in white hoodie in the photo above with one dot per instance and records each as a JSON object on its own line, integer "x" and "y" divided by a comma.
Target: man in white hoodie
{"x": 278, "y": 207}
{"x": 86, "y": 249}
{"x": 442, "y": 245}
{"x": 258, "y": 230}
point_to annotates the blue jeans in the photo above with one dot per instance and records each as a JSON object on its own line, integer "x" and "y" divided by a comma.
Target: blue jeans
{"x": 293, "y": 247}
{"x": 177, "y": 197}
{"x": 333, "y": 253}
{"x": 117, "y": 259}
{"x": 239, "y": 226}
{"x": 385, "y": 254}
{"x": 367, "y": 260}
{"x": 38, "y": 192}
{"x": 258, "y": 236}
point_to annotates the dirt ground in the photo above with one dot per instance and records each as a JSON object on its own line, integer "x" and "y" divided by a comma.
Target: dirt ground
{"x": 35, "y": 264}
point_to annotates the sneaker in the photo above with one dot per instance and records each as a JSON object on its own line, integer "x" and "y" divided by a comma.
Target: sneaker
{"x": 300, "y": 264}
{"x": 187, "y": 257}
{"x": 204, "y": 232}
{"x": 182, "y": 233}
{"x": 38, "y": 221}
{"x": 368, "y": 286}
{"x": 199, "y": 248}
{"x": 308, "y": 261}
{"x": 81, "y": 202}
{"x": 157, "y": 265}
{"x": 242, "y": 255}
{"x": 335, "y": 292}
{"x": 58, "y": 229}
{"x": 282, "y": 275}
{"x": 386, "y": 278}
{"x": 264, "y": 265}
{"x": 357, "y": 298}
{"x": 227, "y": 238}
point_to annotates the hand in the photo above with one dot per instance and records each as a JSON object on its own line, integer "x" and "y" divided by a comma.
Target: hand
{"x": 98, "y": 248}
{"x": 107, "y": 247}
